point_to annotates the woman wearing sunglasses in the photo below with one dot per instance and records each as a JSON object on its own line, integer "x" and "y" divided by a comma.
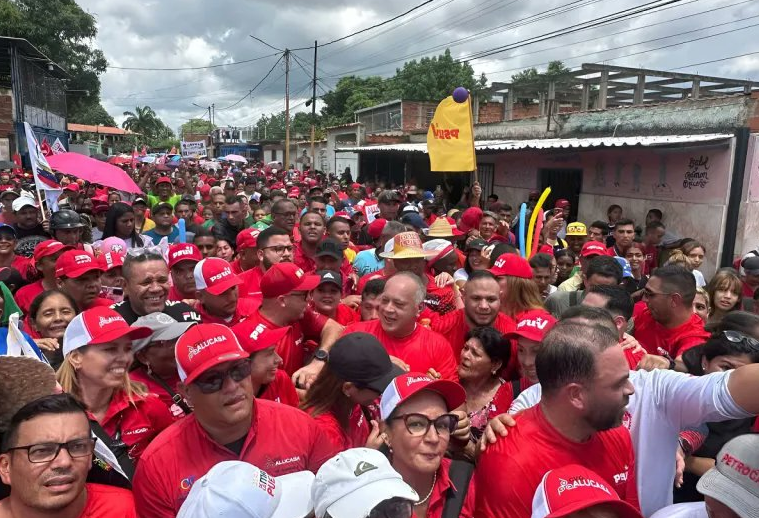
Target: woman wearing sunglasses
{"x": 356, "y": 372}
{"x": 418, "y": 422}
{"x": 725, "y": 351}
{"x": 97, "y": 353}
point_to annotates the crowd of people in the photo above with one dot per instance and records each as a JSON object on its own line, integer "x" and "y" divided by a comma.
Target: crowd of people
{"x": 259, "y": 341}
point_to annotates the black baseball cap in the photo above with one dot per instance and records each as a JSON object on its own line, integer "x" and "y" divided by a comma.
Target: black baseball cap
{"x": 329, "y": 247}
{"x": 476, "y": 244}
{"x": 161, "y": 206}
{"x": 330, "y": 276}
{"x": 360, "y": 358}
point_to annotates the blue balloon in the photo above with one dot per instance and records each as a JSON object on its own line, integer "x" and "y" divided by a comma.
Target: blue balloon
{"x": 522, "y": 225}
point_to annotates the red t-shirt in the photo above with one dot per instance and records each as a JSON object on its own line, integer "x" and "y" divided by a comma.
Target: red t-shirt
{"x": 454, "y": 327}
{"x": 281, "y": 390}
{"x": 509, "y": 472}
{"x": 440, "y": 493}
{"x": 175, "y": 296}
{"x": 422, "y": 349}
{"x": 24, "y": 296}
{"x": 281, "y": 440}
{"x": 345, "y": 316}
{"x": 251, "y": 283}
{"x": 654, "y": 336}
{"x": 22, "y": 264}
{"x": 652, "y": 258}
{"x": 156, "y": 388}
{"x": 354, "y": 437}
{"x": 245, "y": 307}
{"x": 108, "y": 501}
{"x": 297, "y": 343}
{"x": 139, "y": 421}
{"x": 304, "y": 262}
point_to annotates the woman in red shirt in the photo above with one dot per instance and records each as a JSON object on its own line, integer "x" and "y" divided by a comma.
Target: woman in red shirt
{"x": 356, "y": 372}
{"x": 97, "y": 352}
{"x": 411, "y": 406}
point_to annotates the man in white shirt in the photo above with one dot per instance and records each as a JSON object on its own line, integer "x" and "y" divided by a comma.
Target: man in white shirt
{"x": 730, "y": 488}
{"x": 664, "y": 403}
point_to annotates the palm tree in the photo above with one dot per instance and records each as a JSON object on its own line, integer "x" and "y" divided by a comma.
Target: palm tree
{"x": 142, "y": 120}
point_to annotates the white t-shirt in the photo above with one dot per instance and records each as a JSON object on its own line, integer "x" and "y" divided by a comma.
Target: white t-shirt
{"x": 665, "y": 402}
{"x": 460, "y": 275}
{"x": 700, "y": 281}
{"x": 688, "y": 510}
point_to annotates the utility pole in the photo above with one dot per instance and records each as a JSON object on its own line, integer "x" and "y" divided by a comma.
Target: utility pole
{"x": 210, "y": 133}
{"x": 313, "y": 114}
{"x": 287, "y": 109}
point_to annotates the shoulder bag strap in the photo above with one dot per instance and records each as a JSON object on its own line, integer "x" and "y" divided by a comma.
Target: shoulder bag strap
{"x": 178, "y": 399}
{"x": 126, "y": 463}
{"x": 460, "y": 473}
{"x": 516, "y": 388}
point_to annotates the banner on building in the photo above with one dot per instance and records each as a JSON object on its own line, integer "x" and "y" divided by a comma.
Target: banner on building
{"x": 194, "y": 149}
{"x": 450, "y": 139}
{"x": 58, "y": 147}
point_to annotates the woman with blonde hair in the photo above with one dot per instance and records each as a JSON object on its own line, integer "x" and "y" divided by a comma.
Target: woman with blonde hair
{"x": 701, "y": 304}
{"x": 97, "y": 353}
{"x": 724, "y": 291}
{"x": 519, "y": 293}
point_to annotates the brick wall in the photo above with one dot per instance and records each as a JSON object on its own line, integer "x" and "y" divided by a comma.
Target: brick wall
{"x": 6, "y": 114}
{"x": 490, "y": 112}
{"x": 386, "y": 139}
{"x": 417, "y": 115}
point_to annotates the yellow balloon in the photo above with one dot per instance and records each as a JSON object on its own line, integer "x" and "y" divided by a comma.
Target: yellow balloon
{"x": 533, "y": 219}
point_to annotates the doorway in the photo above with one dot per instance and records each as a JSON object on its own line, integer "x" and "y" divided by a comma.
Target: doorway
{"x": 564, "y": 183}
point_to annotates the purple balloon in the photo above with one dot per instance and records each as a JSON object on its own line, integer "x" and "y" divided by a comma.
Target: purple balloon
{"x": 460, "y": 94}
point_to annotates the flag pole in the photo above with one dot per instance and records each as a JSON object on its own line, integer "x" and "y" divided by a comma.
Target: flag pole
{"x": 39, "y": 200}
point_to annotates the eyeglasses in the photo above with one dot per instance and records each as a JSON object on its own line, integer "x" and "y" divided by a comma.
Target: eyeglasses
{"x": 393, "y": 508}
{"x": 419, "y": 424}
{"x": 279, "y": 249}
{"x": 737, "y": 337}
{"x": 287, "y": 215}
{"x": 650, "y": 294}
{"x": 48, "y": 451}
{"x": 213, "y": 382}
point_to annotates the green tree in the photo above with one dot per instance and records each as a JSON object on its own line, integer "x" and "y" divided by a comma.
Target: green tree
{"x": 142, "y": 120}
{"x": 197, "y": 127}
{"x": 93, "y": 114}
{"x": 350, "y": 94}
{"x": 529, "y": 82}
{"x": 63, "y": 32}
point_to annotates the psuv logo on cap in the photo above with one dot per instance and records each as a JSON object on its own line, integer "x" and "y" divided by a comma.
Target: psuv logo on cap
{"x": 260, "y": 328}
{"x": 580, "y": 482}
{"x": 499, "y": 263}
{"x": 184, "y": 251}
{"x": 416, "y": 379}
{"x": 537, "y": 323}
{"x": 226, "y": 272}
{"x": 82, "y": 259}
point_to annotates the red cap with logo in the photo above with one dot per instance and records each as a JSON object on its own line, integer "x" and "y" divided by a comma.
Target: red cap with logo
{"x": 355, "y": 185}
{"x": 284, "y": 278}
{"x": 247, "y": 239}
{"x": 376, "y": 227}
{"x": 408, "y": 384}
{"x": 183, "y": 252}
{"x": 110, "y": 260}
{"x": 566, "y": 490}
{"x": 75, "y": 263}
{"x": 593, "y": 248}
{"x": 49, "y": 247}
{"x": 533, "y": 325}
{"x": 204, "y": 346}
{"x": 470, "y": 219}
{"x": 215, "y": 275}
{"x": 163, "y": 179}
{"x": 511, "y": 265}
{"x": 257, "y": 336}
{"x": 99, "y": 325}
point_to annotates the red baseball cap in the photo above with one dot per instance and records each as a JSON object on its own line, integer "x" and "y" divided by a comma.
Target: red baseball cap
{"x": 408, "y": 384}
{"x": 355, "y": 185}
{"x": 49, "y": 247}
{"x": 257, "y": 336}
{"x": 72, "y": 187}
{"x": 572, "y": 488}
{"x": 512, "y": 265}
{"x": 293, "y": 193}
{"x": 183, "y": 252}
{"x": 284, "y": 278}
{"x": 593, "y": 248}
{"x": 533, "y": 325}
{"x": 99, "y": 325}
{"x": 470, "y": 219}
{"x": 110, "y": 260}
{"x": 75, "y": 263}
{"x": 247, "y": 238}
{"x": 215, "y": 275}
{"x": 204, "y": 346}
{"x": 561, "y": 203}
{"x": 376, "y": 227}
{"x": 163, "y": 179}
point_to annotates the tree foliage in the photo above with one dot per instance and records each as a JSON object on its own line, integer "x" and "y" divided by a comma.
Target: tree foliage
{"x": 93, "y": 114}
{"x": 145, "y": 121}
{"x": 197, "y": 127}
{"x": 273, "y": 126}
{"x": 64, "y": 33}
{"x": 529, "y": 82}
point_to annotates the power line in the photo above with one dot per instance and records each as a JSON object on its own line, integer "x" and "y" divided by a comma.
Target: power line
{"x": 193, "y": 68}
{"x": 254, "y": 88}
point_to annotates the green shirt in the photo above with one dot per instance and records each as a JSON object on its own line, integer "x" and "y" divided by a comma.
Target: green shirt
{"x": 154, "y": 200}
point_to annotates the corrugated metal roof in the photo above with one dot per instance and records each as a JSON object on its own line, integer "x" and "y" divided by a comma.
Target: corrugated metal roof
{"x": 557, "y": 143}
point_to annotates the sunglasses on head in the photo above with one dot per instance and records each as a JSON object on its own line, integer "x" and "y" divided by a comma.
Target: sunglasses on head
{"x": 737, "y": 337}
{"x": 210, "y": 383}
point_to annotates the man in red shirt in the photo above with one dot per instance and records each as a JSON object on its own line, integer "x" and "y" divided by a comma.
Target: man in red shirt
{"x": 247, "y": 250}
{"x": 228, "y": 423}
{"x": 652, "y": 238}
{"x": 668, "y": 326}
{"x": 286, "y": 291}
{"x": 585, "y": 383}
{"x": 182, "y": 260}
{"x": 218, "y": 296}
{"x": 624, "y": 233}
{"x": 422, "y": 349}
{"x": 78, "y": 274}
{"x": 44, "y": 479}
{"x": 326, "y": 298}
{"x": 45, "y": 255}
{"x": 482, "y": 307}
{"x": 311, "y": 234}
{"x": 274, "y": 247}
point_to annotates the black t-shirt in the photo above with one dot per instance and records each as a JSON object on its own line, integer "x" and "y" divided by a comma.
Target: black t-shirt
{"x": 179, "y": 311}
{"x": 236, "y": 446}
{"x": 39, "y": 230}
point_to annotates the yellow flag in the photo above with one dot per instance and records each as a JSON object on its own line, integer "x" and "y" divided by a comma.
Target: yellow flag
{"x": 450, "y": 139}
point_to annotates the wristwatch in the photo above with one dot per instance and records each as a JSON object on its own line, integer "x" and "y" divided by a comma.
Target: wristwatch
{"x": 321, "y": 355}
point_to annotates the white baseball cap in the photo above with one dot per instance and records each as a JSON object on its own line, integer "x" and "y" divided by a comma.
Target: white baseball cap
{"x": 240, "y": 489}
{"x": 23, "y": 201}
{"x": 352, "y": 483}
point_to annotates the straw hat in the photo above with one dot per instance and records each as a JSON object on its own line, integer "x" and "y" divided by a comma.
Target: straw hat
{"x": 22, "y": 380}
{"x": 443, "y": 227}
{"x": 407, "y": 245}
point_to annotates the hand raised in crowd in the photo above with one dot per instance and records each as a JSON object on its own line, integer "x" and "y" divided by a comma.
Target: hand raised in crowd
{"x": 651, "y": 362}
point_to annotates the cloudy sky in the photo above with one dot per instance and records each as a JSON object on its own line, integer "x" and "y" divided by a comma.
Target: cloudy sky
{"x": 195, "y": 33}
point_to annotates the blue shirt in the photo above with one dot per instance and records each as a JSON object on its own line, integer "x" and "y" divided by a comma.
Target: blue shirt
{"x": 366, "y": 262}
{"x": 156, "y": 237}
